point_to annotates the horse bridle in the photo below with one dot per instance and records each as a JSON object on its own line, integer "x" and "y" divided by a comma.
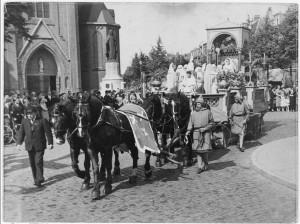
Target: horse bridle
{"x": 80, "y": 114}
{"x": 56, "y": 113}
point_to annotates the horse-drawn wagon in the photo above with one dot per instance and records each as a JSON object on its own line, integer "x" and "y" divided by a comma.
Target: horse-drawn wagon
{"x": 221, "y": 103}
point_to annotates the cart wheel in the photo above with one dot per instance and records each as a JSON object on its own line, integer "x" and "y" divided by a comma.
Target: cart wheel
{"x": 8, "y": 135}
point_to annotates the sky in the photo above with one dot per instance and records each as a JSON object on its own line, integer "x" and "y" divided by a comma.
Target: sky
{"x": 181, "y": 26}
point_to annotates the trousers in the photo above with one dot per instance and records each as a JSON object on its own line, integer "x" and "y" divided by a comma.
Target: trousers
{"x": 36, "y": 161}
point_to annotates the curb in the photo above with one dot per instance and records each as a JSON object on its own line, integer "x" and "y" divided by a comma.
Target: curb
{"x": 269, "y": 175}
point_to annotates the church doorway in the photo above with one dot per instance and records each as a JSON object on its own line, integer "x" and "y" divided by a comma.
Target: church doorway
{"x": 41, "y": 72}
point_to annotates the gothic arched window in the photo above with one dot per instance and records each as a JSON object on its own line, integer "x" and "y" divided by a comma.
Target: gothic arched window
{"x": 98, "y": 49}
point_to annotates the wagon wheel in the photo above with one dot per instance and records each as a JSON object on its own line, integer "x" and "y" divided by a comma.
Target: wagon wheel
{"x": 221, "y": 136}
{"x": 8, "y": 135}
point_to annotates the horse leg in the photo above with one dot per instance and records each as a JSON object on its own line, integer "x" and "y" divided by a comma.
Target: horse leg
{"x": 188, "y": 153}
{"x": 147, "y": 167}
{"x": 171, "y": 136}
{"x": 117, "y": 170}
{"x": 164, "y": 143}
{"x": 95, "y": 163}
{"x": 102, "y": 176}
{"x": 74, "y": 152}
{"x": 135, "y": 157}
{"x": 108, "y": 166}
{"x": 87, "y": 165}
{"x": 158, "y": 162}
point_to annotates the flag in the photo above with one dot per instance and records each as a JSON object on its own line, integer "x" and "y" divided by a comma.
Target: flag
{"x": 141, "y": 127}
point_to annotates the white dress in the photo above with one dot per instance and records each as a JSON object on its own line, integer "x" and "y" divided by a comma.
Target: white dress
{"x": 189, "y": 85}
{"x": 209, "y": 76}
{"x": 171, "y": 79}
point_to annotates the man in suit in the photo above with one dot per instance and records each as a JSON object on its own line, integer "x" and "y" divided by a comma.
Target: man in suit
{"x": 33, "y": 129}
{"x": 51, "y": 100}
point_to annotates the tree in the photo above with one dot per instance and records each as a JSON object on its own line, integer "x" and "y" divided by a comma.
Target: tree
{"x": 288, "y": 39}
{"x": 158, "y": 63}
{"x": 14, "y": 22}
{"x": 178, "y": 59}
{"x": 133, "y": 73}
{"x": 278, "y": 43}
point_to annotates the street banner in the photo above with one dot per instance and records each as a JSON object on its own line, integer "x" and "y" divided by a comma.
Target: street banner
{"x": 140, "y": 124}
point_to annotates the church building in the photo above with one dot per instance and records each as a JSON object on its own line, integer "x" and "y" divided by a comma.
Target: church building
{"x": 69, "y": 52}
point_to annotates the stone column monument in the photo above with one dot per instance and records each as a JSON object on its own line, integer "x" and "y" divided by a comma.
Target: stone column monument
{"x": 112, "y": 79}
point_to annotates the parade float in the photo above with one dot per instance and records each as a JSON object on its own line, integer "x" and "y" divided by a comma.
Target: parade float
{"x": 229, "y": 71}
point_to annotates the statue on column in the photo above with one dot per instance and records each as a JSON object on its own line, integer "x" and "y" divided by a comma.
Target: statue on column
{"x": 41, "y": 65}
{"x": 111, "y": 47}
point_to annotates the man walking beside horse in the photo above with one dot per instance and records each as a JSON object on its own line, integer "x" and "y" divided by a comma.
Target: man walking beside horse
{"x": 201, "y": 122}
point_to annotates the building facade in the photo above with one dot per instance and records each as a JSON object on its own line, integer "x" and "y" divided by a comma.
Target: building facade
{"x": 69, "y": 52}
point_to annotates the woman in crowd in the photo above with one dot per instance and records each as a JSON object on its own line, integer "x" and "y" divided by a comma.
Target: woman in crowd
{"x": 283, "y": 101}
{"x": 44, "y": 109}
{"x": 292, "y": 100}
{"x": 118, "y": 101}
{"x": 278, "y": 98}
{"x": 26, "y": 105}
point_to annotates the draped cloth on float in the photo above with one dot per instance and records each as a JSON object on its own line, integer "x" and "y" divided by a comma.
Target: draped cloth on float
{"x": 141, "y": 127}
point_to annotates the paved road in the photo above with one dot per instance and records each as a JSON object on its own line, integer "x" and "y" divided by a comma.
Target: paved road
{"x": 230, "y": 191}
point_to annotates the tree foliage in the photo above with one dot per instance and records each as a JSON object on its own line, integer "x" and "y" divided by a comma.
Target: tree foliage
{"x": 14, "y": 22}
{"x": 155, "y": 64}
{"x": 178, "y": 59}
{"x": 289, "y": 34}
{"x": 279, "y": 43}
{"x": 158, "y": 61}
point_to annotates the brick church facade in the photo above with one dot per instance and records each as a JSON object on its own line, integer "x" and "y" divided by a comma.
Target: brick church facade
{"x": 69, "y": 53}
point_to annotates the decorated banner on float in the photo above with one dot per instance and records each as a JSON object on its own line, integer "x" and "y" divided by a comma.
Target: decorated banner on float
{"x": 140, "y": 124}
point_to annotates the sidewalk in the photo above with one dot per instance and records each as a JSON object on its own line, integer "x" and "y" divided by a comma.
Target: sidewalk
{"x": 278, "y": 161}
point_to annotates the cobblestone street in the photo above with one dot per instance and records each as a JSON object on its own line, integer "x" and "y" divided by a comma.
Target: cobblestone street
{"x": 230, "y": 191}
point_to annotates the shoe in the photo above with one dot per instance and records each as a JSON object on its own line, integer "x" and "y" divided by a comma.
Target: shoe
{"x": 242, "y": 149}
{"x": 199, "y": 171}
{"x": 238, "y": 147}
{"x": 37, "y": 184}
{"x": 205, "y": 167}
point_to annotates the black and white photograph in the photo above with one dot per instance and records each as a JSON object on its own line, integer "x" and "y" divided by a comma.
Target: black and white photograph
{"x": 149, "y": 112}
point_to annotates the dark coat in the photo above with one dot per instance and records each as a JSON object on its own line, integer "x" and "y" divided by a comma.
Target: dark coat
{"x": 34, "y": 134}
{"x": 52, "y": 101}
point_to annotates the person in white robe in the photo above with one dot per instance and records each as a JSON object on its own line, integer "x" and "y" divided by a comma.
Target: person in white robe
{"x": 189, "y": 84}
{"x": 209, "y": 76}
{"x": 199, "y": 77}
{"x": 181, "y": 74}
{"x": 171, "y": 78}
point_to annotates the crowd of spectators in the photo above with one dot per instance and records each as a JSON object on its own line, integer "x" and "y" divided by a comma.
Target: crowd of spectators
{"x": 283, "y": 98}
{"x": 16, "y": 105}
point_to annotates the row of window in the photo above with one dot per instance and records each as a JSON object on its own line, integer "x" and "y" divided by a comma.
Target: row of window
{"x": 38, "y": 10}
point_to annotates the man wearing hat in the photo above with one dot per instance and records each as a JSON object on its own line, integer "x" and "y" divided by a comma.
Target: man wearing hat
{"x": 201, "y": 122}
{"x": 108, "y": 100}
{"x": 33, "y": 130}
{"x": 238, "y": 116}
